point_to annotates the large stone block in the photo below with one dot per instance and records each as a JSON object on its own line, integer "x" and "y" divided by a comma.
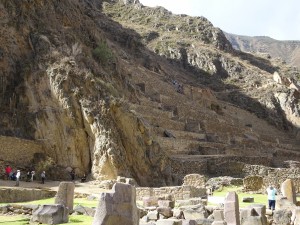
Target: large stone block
{"x": 288, "y": 190}
{"x": 282, "y": 217}
{"x": 253, "y": 183}
{"x": 51, "y": 214}
{"x": 117, "y": 207}
{"x": 65, "y": 195}
{"x": 84, "y": 210}
{"x": 231, "y": 209}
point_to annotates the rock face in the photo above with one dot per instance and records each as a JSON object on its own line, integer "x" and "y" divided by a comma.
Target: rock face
{"x": 118, "y": 207}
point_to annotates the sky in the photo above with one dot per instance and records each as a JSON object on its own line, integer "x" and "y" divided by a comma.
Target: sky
{"x": 278, "y": 19}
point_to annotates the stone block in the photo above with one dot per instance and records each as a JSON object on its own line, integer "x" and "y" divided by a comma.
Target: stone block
{"x": 189, "y": 222}
{"x": 253, "y": 183}
{"x": 84, "y": 210}
{"x": 150, "y": 201}
{"x": 296, "y": 216}
{"x": 231, "y": 209}
{"x": 117, "y": 207}
{"x": 282, "y": 217}
{"x": 253, "y": 220}
{"x": 218, "y": 215}
{"x": 288, "y": 190}
{"x": 152, "y": 215}
{"x": 165, "y": 211}
{"x": 219, "y": 223}
{"x": 248, "y": 199}
{"x": 50, "y": 214}
{"x": 166, "y": 203}
{"x": 65, "y": 195}
{"x": 194, "y": 212}
{"x": 169, "y": 222}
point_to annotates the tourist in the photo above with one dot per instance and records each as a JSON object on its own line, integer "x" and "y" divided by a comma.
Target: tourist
{"x": 18, "y": 177}
{"x": 83, "y": 179}
{"x": 43, "y": 176}
{"x": 32, "y": 175}
{"x": 8, "y": 171}
{"x": 72, "y": 174}
{"x": 28, "y": 176}
{"x": 271, "y": 197}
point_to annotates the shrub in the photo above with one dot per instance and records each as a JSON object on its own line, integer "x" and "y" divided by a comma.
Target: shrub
{"x": 102, "y": 53}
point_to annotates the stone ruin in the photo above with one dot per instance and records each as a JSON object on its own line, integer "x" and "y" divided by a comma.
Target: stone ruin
{"x": 59, "y": 212}
{"x": 65, "y": 195}
{"x": 117, "y": 207}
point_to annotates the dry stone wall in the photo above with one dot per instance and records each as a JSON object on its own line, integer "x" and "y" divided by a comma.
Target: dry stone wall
{"x": 19, "y": 151}
{"x": 179, "y": 192}
{"x": 275, "y": 176}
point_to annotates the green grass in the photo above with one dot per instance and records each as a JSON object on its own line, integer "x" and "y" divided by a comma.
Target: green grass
{"x": 13, "y": 220}
{"x": 258, "y": 198}
{"x": 21, "y": 220}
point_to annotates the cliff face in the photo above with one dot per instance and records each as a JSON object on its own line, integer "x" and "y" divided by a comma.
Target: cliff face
{"x": 58, "y": 87}
{"x": 121, "y": 89}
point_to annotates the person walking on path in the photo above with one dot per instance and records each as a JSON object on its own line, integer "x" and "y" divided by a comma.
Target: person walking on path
{"x": 271, "y": 197}
{"x": 18, "y": 178}
{"x": 43, "y": 176}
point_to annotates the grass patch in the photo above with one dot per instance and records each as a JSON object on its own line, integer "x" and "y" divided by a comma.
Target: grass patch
{"x": 258, "y": 198}
{"x": 80, "y": 220}
{"x": 13, "y": 220}
{"x": 21, "y": 220}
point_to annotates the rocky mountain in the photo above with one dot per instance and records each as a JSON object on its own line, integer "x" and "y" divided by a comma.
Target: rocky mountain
{"x": 114, "y": 88}
{"x": 288, "y": 51}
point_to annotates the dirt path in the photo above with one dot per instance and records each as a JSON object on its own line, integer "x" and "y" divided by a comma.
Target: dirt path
{"x": 84, "y": 188}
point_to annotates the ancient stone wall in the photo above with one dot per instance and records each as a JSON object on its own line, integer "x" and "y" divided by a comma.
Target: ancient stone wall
{"x": 24, "y": 195}
{"x": 178, "y": 192}
{"x": 275, "y": 176}
{"x": 18, "y": 151}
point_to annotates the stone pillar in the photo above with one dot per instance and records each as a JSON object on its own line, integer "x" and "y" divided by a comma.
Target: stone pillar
{"x": 288, "y": 190}
{"x": 231, "y": 209}
{"x": 117, "y": 207}
{"x": 254, "y": 214}
{"x": 65, "y": 195}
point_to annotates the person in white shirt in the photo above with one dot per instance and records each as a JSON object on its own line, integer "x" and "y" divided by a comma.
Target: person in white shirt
{"x": 18, "y": 177}
{"x": 271, "y": 197}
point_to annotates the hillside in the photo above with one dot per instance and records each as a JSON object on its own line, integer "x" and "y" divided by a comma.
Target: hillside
{"x": 289, "y": 51}
{"x": 115, "y": 88}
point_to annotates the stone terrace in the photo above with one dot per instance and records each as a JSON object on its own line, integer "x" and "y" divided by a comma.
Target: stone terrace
{"x": 206, "y": 135}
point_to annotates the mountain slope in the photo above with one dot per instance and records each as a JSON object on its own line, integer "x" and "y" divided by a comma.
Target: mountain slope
{"x": 119, "y": 89}
{"x": 288, "y": 51}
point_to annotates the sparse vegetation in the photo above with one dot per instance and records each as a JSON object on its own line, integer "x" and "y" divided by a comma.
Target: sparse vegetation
{"x": 102, "y": 53}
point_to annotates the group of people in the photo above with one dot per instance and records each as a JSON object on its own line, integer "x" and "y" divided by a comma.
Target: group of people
{"x": 16, "y": 176}
{"x": 30, "y": 175}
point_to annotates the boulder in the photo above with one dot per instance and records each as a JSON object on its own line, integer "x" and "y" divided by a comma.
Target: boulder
{"x": 195, "y": 180}
{"x": 165, "y": 211}
{"x": 83, "y": 210}
{"x": 50, "y": 214}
